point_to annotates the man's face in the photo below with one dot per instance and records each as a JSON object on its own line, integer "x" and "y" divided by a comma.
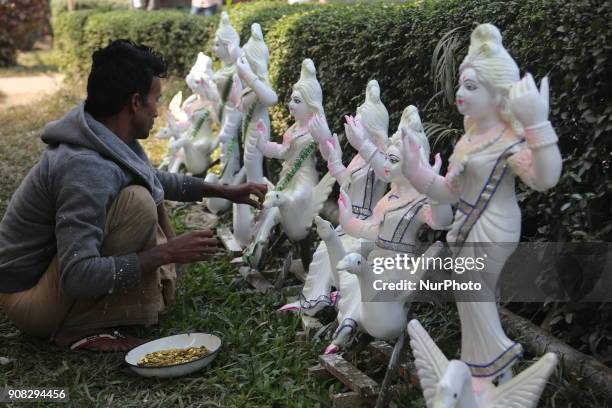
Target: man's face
{"x": 145, "y": 111}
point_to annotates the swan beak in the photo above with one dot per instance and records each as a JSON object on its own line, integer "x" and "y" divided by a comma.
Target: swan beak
{"x": 268, "y": 202}
{"x": 342, "y": 265}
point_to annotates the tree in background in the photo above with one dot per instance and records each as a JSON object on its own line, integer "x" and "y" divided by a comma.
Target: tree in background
{"x": 19, "y": 20}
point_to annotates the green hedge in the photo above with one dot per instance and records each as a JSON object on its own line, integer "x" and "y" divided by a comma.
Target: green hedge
{"x": 569, "y": 40}
{"x": 350, "y": 44}
{"x": 61, "y": 6}
{"x": 266, "y": 13}
{"x": 176, "y": 34}
{"x": 73, "y": 55}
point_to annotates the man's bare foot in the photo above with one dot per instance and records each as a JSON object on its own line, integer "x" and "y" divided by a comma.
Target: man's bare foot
{"x": 97, "y": 340}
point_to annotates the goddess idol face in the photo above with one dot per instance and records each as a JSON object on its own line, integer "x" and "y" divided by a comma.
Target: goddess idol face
{"x": 221, "y": 50}
{"x": 393, "y": 168}
{"x": 473, "y": 98}
{"x": 298, "y": 108}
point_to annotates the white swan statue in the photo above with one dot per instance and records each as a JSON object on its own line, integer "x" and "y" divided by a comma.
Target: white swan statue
{"x": 449, "y": 384}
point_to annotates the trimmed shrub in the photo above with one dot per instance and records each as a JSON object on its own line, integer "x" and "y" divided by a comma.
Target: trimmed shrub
{"x": 394, "y": 44}
{"x": 177, "y": 35}
{"x": 72, "y": 28}
{"x": 73, "y": 55}
{"x": 61, "y": 6}
{"x": 266, "y": 13}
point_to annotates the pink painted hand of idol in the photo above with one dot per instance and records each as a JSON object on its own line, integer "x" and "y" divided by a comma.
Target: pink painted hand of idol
{"x": 262, "y": 134}
{"x": 234, "y": 96}
{"x": 335, "y": 153}
{"x": 179, "y": 125}
{"x": 235, "y": 52}
{"x": 411, "y": 153}
{"x": 355, "y": 132}
{"x": 529, "y": 105}
{"x": 345, "y": 206}
{"x": 437, "y": 163}
{"x": 205, "y": 88}
{"x": 412, "y": 156}
{"x": 318, "y": 128}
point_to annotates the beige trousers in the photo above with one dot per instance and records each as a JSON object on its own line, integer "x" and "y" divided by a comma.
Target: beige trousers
{"x": 132, "y": 226}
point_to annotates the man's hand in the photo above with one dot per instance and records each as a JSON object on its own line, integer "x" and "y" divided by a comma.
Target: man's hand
{"x": 241, "y": 194}
{"x": 191, "y": 247}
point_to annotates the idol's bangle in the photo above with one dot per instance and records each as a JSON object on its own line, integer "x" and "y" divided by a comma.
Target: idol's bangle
{"x": 540, "y": 135}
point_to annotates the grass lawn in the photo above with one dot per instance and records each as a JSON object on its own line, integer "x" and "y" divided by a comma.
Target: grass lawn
{"x": 32, "y": 63}
{"x": 261, "y": 363}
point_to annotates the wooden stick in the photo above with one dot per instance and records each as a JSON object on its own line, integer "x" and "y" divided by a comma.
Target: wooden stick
{"x": 578, "y": 365}
{"x": 350, "y": 400}
{"x": 383, "y": 351}
{"x": 349, "y": 375}
{"x": 385, "y": 390}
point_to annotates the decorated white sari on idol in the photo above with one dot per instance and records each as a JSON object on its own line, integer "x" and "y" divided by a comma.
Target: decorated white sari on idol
{"x": 507, "y": 135}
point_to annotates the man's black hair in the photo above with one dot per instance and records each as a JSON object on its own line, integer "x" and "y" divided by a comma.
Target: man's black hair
{"x": 118, "y": 71}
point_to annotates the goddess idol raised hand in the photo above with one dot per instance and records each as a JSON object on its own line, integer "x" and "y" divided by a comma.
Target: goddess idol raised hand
{"x": 507, "y": 134}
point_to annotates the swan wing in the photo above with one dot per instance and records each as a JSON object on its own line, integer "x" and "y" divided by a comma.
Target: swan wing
{"x": 320, "y": 192}
{"x": 175, "y": 103}
{"x": 429, "y": 360}
{"x": 524, "y": 390}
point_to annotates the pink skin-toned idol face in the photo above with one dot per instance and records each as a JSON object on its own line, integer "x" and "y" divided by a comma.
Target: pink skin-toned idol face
{"x": 393, "y": 168}
{"x": 473, "y": 98}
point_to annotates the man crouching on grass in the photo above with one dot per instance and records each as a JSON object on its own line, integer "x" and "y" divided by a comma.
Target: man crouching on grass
{"x": 86, "y": 244}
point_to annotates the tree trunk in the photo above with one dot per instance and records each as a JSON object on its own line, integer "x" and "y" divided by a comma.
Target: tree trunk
{"x": 71, "y": 4}
{"x": 576, "y": 364}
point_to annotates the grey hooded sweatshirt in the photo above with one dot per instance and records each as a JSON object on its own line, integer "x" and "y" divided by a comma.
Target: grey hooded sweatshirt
{"x": 61, "y": 206}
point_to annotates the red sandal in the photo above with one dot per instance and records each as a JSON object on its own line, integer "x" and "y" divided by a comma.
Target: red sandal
{"x": 86, "y": 342}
